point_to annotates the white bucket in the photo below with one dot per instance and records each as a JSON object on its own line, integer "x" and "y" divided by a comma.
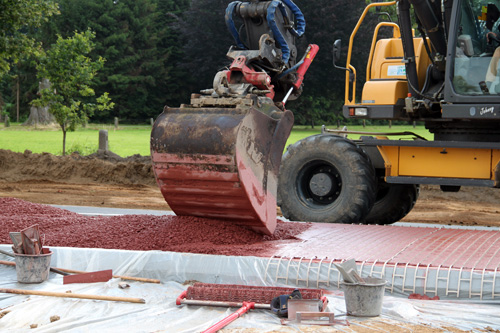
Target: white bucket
{"x": 364, "y": 299}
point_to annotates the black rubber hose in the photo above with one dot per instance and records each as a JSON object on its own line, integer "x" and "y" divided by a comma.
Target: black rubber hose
{"x": 431, "y": 23}
{"x": 409, "y": 51}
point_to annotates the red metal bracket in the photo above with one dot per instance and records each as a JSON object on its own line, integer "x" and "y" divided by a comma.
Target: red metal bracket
{"x": 259, "y": 79}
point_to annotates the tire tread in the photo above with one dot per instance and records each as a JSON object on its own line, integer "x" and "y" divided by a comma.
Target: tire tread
{"x": 335, "y": 147}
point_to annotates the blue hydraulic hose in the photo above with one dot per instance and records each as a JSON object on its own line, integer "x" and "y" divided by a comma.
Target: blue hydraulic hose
{"x": 271, "y": 10}
{"x": 285, "y": 50}
{"x": 230, "y": 24}
{"x": 299, "y": 18}
{"x": 291, "y": 69}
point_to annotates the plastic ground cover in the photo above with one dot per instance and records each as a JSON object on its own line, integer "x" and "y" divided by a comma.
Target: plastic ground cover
{"x": 160, "y": 314}
{"x": 432, "y": 260}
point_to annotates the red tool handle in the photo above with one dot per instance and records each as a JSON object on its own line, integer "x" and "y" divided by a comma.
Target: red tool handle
{"x": 325, "y": 303}
{"x": 312, "y": 50}
{"x": 179, "y": 299}
{"x": 229, "y": 319}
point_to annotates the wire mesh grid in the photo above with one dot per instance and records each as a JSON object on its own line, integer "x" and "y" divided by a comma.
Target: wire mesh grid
{"x": 402, "y": 277}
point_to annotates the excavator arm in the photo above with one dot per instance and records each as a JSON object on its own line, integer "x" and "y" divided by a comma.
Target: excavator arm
{"x": 219, "y": 156}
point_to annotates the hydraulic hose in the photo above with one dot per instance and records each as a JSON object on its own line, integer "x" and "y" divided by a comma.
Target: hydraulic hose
{"x": 407, "y": 41}
{"x": 278, "y": 36}
{"x": 299, "y": 18}
{"x": 230, "y": 24}
{"x": 271, "y": 21}
{"x": 431, "y": 24}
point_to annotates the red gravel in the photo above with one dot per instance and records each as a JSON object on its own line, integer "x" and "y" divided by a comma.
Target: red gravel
{"x": 424, "y": 297}
{"x": 141, "y": 232}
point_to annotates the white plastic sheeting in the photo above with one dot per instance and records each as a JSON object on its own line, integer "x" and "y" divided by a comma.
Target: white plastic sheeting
{"x": 160, "y": 314}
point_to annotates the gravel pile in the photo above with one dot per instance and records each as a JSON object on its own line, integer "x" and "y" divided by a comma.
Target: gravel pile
{"x": 141, "y": 232}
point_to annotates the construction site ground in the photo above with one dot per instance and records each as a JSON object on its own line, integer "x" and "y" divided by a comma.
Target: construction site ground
{"x": 106, "y": 180}
{"x": 471, "y": 206}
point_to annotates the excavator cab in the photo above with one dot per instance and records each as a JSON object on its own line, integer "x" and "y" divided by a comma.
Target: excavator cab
{"x": 219, "y": 155}
{"x": 476, "y": 55}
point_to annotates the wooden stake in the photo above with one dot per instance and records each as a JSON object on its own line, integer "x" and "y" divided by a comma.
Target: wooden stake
{"x": 71, "y": 295}
{"x": 10, "y": 263}
{"x": 17, "y": 99}
{"x": 130, "y": 278}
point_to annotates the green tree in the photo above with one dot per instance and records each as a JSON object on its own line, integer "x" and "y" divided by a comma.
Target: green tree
{"x": 324, "y": 86}
{"x": 130, "y": 45}
{"x": 206, "y": 42}
{"x": 174, "y": 85}
{"x": 141, "y": 51}
{"x": 17, "y": 17}
{"x": 71, "y": 72}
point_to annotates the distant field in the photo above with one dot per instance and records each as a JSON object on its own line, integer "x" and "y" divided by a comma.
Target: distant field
{"x": 128, "y": 139}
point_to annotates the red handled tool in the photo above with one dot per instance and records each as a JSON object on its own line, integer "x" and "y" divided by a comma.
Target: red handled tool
{"x": 311, "y": 52}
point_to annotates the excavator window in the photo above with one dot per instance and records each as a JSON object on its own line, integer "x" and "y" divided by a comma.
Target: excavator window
{"x": 478, "y": 49}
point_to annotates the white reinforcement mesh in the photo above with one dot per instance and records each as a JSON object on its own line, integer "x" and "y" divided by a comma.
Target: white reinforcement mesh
{"x": 446, "y": 282}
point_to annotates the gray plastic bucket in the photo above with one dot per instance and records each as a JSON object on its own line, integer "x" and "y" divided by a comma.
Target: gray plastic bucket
{"x": 32, "y": 268}
{"x": 364, "y": 300}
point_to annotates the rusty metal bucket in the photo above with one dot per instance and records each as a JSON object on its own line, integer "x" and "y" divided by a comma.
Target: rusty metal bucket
{"x": 221, "y": 162}
{"x": 32, "y": 268}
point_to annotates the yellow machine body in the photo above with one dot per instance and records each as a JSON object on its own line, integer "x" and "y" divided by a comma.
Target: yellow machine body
{"x": 386, "y": 82}
{"x": 441, "y": 162}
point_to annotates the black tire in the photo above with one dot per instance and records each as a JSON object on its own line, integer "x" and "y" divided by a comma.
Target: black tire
{"x": 393, "y": 202}
{"x": 326, "y": 178}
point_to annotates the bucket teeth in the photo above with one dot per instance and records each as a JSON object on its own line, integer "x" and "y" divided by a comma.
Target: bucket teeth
{"x": 220, "y": 163}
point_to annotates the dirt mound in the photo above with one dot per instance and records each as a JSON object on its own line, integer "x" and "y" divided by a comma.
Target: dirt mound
{"x": 102, "y": 167}
{"x": 115, "y": 158}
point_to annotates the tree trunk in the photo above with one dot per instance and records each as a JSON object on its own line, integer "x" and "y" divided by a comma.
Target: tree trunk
{"x": 40, "y": 115}
{"x": 2, "y": 107}
{"x": 64, "y": 141}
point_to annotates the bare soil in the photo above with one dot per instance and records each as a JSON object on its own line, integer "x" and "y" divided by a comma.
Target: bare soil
{"x": 100, "y": 180}
{"x": 107, "y": 180}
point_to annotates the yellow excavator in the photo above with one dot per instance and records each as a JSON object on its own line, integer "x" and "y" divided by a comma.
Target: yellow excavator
{"x": 446, "y": 77}
{"x": 220, "y": 155}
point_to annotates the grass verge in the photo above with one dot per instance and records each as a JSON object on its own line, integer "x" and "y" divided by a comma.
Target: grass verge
{"x": 129, "y": 139}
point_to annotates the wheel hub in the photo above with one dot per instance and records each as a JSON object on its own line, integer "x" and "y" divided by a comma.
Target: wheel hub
{"x": 321, "y": 184}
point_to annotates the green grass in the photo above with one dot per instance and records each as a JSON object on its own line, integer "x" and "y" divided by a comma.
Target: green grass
{"x": 130, "y": 139}
{"x": 126, "y": 141}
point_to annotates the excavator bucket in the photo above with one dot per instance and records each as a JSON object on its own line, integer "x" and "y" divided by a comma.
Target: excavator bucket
{"x": 221, "y": 162}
